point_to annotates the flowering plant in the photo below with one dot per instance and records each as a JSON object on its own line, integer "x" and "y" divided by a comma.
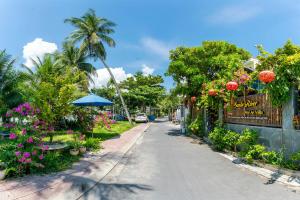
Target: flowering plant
{"x": 26, "y": 133}
{"x": 104, "y": 120}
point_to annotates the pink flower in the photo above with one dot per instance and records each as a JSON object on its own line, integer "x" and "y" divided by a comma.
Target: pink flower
{"x": 82, "y": 137}
{"x": 28, "y": 160}
{"x": 20, "y": 145}
{"x": 18, "y": 153}
{"x": 45, "y": 148}
{"x": 41, "y": 157}
{"x": 22, "y": 159}
{"x": 12, "y": 136}
{"x": 30, "y": 140}
{"x": 24, "y": 131}
{"x": 26, "y": 154}
{"x": 70, "y": 132}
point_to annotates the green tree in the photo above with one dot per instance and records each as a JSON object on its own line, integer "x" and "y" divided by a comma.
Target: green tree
{"x": 93, "y": 32}
{"x": 213, "y": 62}
{"x": 9, "y": 78}
{"x": 285, "y": 63}
{"x": 52, "y": 87}
{"x": 73, "y": 57}
{"x": 142, "y": 91}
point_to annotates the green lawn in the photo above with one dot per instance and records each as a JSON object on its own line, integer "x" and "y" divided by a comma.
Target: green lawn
{"x": 98, "y": 132}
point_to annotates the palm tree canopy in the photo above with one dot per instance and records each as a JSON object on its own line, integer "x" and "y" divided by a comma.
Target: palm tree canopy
{"x": 75, "y": 58}
{"x": 9, "y": 94}
{"x": 93, "y": 32}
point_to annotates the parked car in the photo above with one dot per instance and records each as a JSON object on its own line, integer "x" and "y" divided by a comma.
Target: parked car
{"x": 141, "y": 117}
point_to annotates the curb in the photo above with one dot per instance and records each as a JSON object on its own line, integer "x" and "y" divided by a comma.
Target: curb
{"x": 283, "y": 176}
{"x": 272, "y": 175}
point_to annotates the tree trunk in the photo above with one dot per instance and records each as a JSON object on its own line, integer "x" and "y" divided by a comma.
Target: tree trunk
{"x": 118, "y": 91}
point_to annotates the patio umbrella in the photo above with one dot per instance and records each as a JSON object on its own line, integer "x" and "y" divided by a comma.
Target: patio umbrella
{"x": 92, "y": 100}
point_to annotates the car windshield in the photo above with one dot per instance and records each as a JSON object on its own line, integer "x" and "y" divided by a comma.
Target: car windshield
{"x": 140, "y": 115}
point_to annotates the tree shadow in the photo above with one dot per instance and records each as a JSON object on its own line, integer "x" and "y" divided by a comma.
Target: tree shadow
{"x": 109, "y": 191}
{"x": 274, "y": 177}
{"x": 175, "y": 132}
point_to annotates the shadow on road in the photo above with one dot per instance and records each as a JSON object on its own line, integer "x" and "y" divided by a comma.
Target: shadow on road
{"x": 175, "y": 132}
{"x": 109, "y": 191}
{"x": 274, "y": 177}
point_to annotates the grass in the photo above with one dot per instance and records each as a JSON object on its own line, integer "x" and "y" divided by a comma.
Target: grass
{"x": 98, "y": 132}
{"x": 59, "y": 161}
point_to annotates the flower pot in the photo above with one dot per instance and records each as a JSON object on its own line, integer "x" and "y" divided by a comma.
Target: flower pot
{"x": 74, "y": 152}
{"x": 82, "y": 149}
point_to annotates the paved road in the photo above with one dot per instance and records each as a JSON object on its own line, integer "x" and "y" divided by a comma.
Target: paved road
{"x": 165, "y": 165}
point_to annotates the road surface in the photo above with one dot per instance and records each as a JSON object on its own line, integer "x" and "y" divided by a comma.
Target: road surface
{"x": 165, "y": 165}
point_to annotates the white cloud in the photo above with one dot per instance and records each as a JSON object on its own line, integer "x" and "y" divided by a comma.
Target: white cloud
{"x": 147, "y": 70}
{"x": 156, "y": 47}
{"x": 103, "y": 76}
{"x": 235, "y": 14}
{"x": 37, "y": 48}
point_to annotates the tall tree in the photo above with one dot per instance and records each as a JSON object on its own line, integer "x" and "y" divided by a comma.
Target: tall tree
{"x": 9, "y": 94}
{"x": 75, "y": 58}
{"x": 93, "y": 32}
{"x": 52, "y": 87}
{"x": 142, "y": 91}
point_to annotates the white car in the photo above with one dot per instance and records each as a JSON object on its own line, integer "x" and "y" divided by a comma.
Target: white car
{"x": 141, "y": 117}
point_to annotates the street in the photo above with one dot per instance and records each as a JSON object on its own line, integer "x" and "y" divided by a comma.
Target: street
{"x": 167, "y": 165}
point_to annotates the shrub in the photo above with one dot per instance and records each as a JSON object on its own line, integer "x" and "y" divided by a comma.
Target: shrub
{"x": 92, "y": 143}
{"x": 255, "y": 153}
{"x": 231, "y": 139}
{"x": 295, "y": 161}
{"x": 196, "y": 127}
{"x": 217, "y": 138}
{"x": 247, "y": 139}
{"x": 270, "y": 157}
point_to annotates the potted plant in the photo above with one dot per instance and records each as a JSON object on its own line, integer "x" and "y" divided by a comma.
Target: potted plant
{"x": 74, "y": 151}
{"x": 82, "y": 148}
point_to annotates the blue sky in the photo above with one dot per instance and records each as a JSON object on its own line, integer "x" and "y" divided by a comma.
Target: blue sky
{"x": 147, "y": 29}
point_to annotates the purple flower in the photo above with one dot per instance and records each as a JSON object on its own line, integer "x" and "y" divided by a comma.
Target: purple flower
{"x": 18, "y": 153}
{"x": 20, "y": 145}
{"x": 30, "y": 140}
{"x": 24, "y": 131}
{"x": 26, "y": 154}
{"x": 12, "y": 136}
{"x": 41, "y": 157}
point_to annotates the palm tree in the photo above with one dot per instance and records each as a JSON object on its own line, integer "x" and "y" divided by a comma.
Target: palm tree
{"x": 9, "y": 94}
{"x": 93, "y": 32}
{"x": 73, "y": 57}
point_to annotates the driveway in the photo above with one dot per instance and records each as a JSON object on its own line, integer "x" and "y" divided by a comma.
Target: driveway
{"x": 165, "y": 165}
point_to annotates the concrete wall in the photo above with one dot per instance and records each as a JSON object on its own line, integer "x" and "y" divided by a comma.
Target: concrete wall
{"x": 277, "y": 138}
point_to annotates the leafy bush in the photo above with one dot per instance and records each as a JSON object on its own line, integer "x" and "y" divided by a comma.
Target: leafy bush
{"x": 294, "y": 161}
{"x": 92, "y": 143}
{"x": 270, "y": 157}
{"x": 247, "y": 139}
{"x": 196, "y": 127}
{"x": 255, "y": 153}
{"x": 231, "y": 139}
{"x": 217, "y": 138}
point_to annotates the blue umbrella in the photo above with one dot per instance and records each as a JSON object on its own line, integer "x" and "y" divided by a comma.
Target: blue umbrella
{"x": 92, "y": 100}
